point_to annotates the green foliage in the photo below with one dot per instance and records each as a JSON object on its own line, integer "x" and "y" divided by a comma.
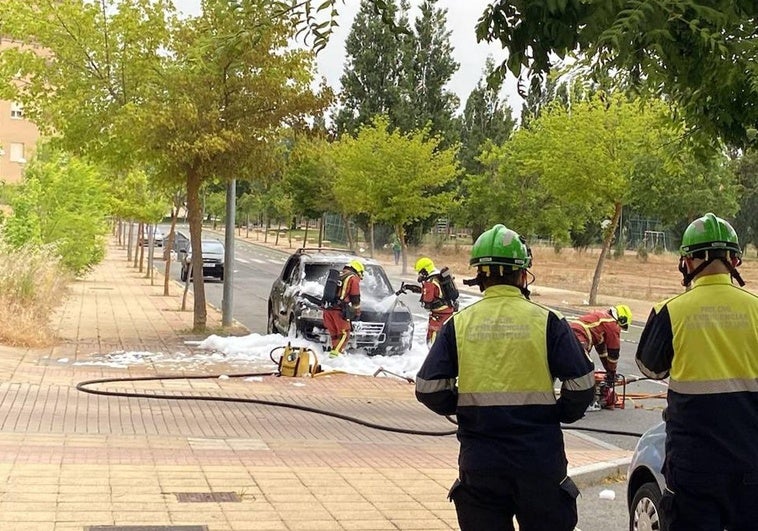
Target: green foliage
{"x": 392, "y": 177}
{"x": 431, "y": 69}
{"x": 746, "y": 220}
{"x": 308, "y": 176}
{"x": 100, "y": 57}
{"x": 486, "y": 118}
{"x": 374, "y": 80}
{"x": 699, "y": 52}
{"x": 400, "y": 75}
{"x": 64, "y": 203}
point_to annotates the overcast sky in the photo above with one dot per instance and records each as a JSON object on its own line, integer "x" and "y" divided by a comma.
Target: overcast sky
{"x": 462, "y": 16}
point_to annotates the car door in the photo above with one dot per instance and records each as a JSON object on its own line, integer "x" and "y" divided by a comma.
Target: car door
{"x": 278, "y": 299}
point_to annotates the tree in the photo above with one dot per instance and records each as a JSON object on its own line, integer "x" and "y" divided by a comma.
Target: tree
{"x": 700, "y": 53}
{"x": 217, "y": 110}
{"x": 374, "y": 80}
{"x": 587, "y": 157}
{"x": 746, "y": 221}
{"x": 195, "y": 99}
{"x": 392, "y": 177}
{"x": 309, "y": 174}
{"x": 89, "y": 71}
{"x": 486, "y": 121}
{"x": 63, "y": 202}
{"x": 432, "y": 66}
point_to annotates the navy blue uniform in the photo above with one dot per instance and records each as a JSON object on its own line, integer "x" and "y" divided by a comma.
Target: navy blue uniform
{"x": 493, "y": 365}
{"x": 706, "y": 341}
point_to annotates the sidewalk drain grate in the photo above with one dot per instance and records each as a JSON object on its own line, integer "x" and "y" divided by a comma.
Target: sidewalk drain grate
{"x": 207, "y": 497}
{"x": 147, "y": 528}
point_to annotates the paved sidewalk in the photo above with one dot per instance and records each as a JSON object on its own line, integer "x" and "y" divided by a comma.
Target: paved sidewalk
{"x": 73, "y": 461}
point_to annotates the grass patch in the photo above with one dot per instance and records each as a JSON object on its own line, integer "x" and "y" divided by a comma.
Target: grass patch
{"x": 32, "y": 285}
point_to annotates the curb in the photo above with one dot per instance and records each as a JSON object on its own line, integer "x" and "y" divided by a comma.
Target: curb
{"x": 585, "y": 476}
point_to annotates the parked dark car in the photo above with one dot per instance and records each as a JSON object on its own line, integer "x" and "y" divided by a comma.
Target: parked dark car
{"x": 386, "y": 324}
{"x": 645, "y": 483}
{"x": 213, "y": 259}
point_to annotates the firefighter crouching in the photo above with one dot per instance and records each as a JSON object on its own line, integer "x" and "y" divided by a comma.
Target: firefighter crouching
{"x": 602, "y": 329}
{"x": 706, "y": 341}
{"x": 493, "y": 365}
{"x": 338, "y": 315}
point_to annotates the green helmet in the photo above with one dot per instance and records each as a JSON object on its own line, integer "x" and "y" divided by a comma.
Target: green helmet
{"x": 501, "y": 246}
{"x": 709, "y": 232}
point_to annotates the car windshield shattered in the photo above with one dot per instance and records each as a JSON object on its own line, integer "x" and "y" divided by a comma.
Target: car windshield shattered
{"x": 374, "y": 284}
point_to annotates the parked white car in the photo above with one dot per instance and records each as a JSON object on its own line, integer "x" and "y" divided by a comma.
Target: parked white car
{"x": 645, "y": 481}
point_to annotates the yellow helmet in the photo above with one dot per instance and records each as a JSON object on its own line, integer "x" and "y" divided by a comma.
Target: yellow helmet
{"x": 424, "y": 264}
{"x": 623, "y": 315}
{"x": 357, "y": 266}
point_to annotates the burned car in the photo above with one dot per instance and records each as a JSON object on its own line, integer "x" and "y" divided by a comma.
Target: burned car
{"x": 386, "y": 325}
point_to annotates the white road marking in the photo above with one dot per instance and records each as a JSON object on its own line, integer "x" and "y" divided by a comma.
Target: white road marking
{"x": 242, "y": 260}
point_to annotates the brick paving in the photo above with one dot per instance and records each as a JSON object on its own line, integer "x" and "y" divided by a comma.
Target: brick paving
{"x": 74, "y": 461}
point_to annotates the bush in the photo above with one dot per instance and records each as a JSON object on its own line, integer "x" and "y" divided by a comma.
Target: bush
{"x": 61, "y": 202}
{"x": 32, "y": 284}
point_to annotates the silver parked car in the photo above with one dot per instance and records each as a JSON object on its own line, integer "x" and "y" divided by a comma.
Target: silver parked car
{"x": 645, "y": 483}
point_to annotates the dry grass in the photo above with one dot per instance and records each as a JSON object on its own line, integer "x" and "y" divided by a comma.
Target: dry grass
{"x": 32, "y": 285}
{"x": 626, "y": 276}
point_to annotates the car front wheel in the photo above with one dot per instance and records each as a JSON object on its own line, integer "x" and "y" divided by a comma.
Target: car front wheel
{"x": 645, "y": 512}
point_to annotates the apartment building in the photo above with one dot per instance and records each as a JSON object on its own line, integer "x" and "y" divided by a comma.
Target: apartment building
{"x": 18, "y": 137}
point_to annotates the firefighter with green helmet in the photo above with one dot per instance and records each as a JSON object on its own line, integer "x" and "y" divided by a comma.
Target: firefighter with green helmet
{"x": 705, "y": 340}
{"x": 493, "y": 365}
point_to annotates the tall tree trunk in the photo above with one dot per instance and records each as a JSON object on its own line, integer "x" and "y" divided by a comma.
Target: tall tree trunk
{"x": 168, "y": 247}
{"x": 247, "y": 225}
{"x": 142, "y": 228}
{"x": 195, "y": 218}
{"x": 371, "y": 239}
{"x": 607, "y": 239}
{"x": 401, "y": 234}
{"x": 278, "y": 228}
{"x": 305, "y": 236}
{"x": 137, "y": 245}
{"x": 266, "y": 226}
{"x": 129, "y": 241}
{"x": 349, "y": 233}
{"x": 321, "y": 231}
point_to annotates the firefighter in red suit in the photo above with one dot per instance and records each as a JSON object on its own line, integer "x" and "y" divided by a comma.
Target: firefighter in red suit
{"x": 338, "y": 318}
{"x": 602, "y": 329}
{"x": 432, "y": 297}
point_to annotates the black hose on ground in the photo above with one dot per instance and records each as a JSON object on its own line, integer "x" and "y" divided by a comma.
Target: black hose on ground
{"x": 84, "y": 388}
